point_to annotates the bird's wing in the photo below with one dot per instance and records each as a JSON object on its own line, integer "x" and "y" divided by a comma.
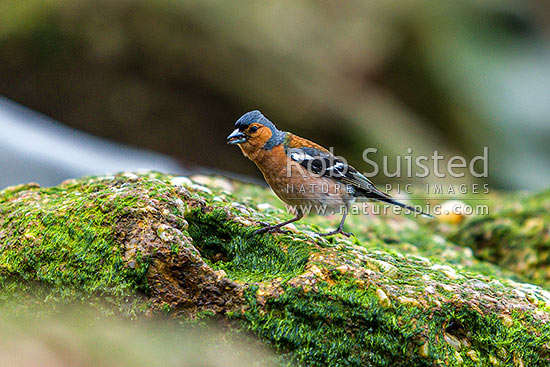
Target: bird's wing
{"x": 321, "y": 162}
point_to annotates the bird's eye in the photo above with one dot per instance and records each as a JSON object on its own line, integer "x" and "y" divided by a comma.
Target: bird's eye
{"x": 253, "y": 129}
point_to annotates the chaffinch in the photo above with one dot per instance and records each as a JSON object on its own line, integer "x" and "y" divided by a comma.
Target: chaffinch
{"x": 302, "y": 173}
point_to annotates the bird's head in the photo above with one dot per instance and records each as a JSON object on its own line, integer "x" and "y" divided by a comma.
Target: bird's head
{"x": 254, "y": 131}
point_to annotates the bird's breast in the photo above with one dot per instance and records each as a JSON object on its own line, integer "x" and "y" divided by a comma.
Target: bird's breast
{"x": 297, "y": 186}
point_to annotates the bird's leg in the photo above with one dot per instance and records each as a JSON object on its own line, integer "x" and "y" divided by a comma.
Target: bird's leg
{"x": 277, "y": 227}
{"x": 340, "y": 228}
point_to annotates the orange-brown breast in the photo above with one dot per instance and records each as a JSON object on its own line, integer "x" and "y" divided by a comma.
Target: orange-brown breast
{"x": 293, "y": 183}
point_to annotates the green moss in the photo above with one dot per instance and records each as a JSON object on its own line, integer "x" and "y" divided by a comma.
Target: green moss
{"x": 397, "y": 294}
{"x": 345, "y": 325}
{"x": 64, "y": 237}
{"x": 515, "y": 236}
{"x": 244, "y": 257}
{"x": 342, "y": 322}
{"x": 331, "y": 326}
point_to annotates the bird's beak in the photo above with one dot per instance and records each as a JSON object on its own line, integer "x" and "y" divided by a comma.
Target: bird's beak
{"x": 236, "y": 137}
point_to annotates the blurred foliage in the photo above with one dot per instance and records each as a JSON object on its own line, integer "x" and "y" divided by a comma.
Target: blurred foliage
{"x": 173, "y": 75}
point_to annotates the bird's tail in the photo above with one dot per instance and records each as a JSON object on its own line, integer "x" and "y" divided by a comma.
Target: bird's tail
{"x": 390, "y": 200}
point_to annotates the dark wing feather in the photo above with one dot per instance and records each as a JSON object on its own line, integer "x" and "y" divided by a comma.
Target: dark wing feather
{"x": 325, "y": 164}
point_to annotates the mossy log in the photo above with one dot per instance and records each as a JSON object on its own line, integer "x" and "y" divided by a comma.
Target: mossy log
{"x": 399, "y": 294}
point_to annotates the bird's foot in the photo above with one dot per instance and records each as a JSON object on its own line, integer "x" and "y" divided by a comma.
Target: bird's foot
{"x": 270, "y": 229}
{"x": 335, "y": 232}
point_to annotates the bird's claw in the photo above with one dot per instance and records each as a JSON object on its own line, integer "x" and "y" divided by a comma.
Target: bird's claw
{"x": 270, "y": 229}
{"x": 335, "y": 232}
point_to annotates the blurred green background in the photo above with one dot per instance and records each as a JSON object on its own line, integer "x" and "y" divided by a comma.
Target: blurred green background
{"x": 174, "y": 75}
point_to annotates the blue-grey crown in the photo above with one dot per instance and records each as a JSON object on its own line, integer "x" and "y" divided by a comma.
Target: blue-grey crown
{"x": 277, "y": 136}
